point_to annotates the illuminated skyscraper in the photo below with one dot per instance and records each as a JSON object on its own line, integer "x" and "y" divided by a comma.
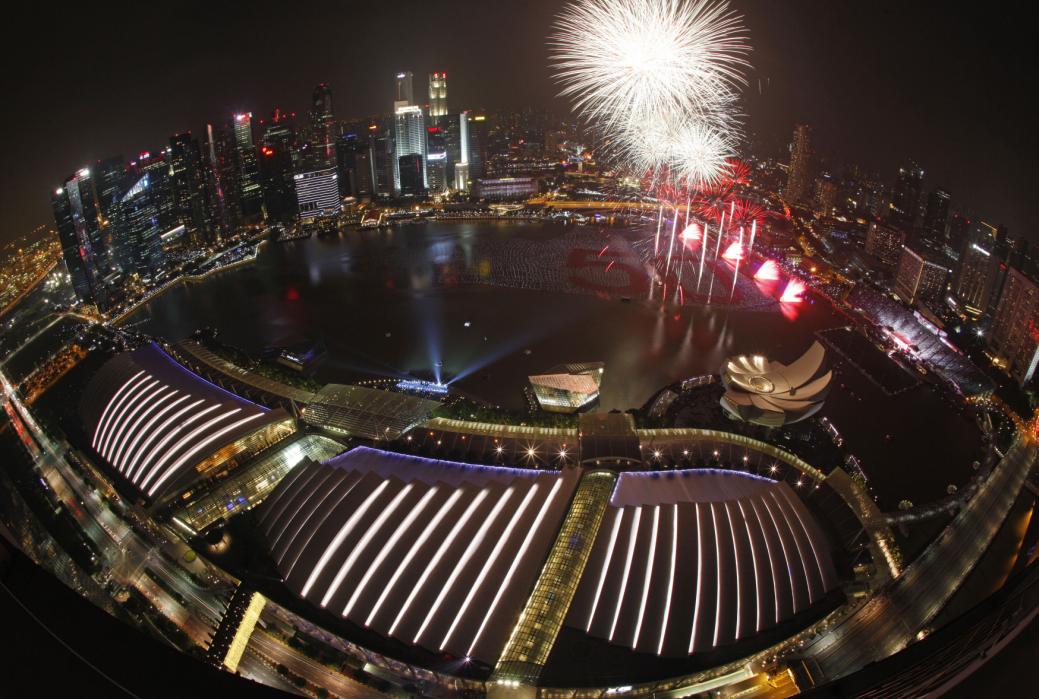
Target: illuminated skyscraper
{"x": 436, "y": 160}
{"x": 110, "y": 183}
{"x": 188, "y": 184}
{"x": 1014, "y": 336}
{"x": 317, "y": 194}
{"x": 799, "y": 171}
{"x": 918, "y": 277}
{"x": 136, "y": 231}
{"x": 981, "y": 273}
{"x": 885, "y": 243}
{"x": 322, "y": 128}
{"x": 904, "y": 208}
{"x": 410, "y": 131}
{"x": 437, "y": 95}
{"x": 86, "y": 257}
{"x": 825, "y": 195}
{"x": 250, "y": 195}
{"x": 404, "y": 92}
{"x": 354, "y": 165}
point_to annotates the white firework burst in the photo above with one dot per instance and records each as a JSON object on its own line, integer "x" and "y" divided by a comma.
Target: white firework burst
{"x": 688, "y": 151}
{"x": 622, "y": 59}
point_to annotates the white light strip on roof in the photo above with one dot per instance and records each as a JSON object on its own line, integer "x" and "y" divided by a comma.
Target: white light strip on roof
{"x": 444, "y": 509}
{"x": 344, "y": 532}
{"x": 786, "y": 556}
{"x": 99, "y": 429}
{"x": 650, "y": 559}
{"x": 754, "y": 560}
{"x": 797, "y": 545}
{"x": 444, "y": 546}
{"x": 168, "y": 435}
{"x": 632, "y": 540}
{"x": 474, "y": 544}
{"x": 718, "y": 577}
{"x": 699, "y": 579}
{"x": 489, "y": 563}
{"x": 605, "y": 565}
{"x": 515, "y": 563}
{"x": 300, "y": 492}
{"x": 771, "y": 559}
{"x": 315, "y": 530}
{"x": 670, "y": 579}
{"x": 147, "y": 433}
{"x": 133, "y": 421}
{"x": 116, "y": 423}
{"x": 388, "y": 548}
{"x": 736, "y": 554}
{"x": 196, "y": 451}
{"x": 366, "y": 539}
{"x": 309, "y": 498}
{"x": 122, "y": 454}
{"x": 811, "y": 541}
{"x": 184, "y": 441}
{"x": 286, "y": 488}
{"x": 463, "y": 561}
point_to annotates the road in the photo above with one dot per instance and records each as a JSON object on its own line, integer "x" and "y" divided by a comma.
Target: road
{"x": 891, "y": 620}
{"x": 263, "y": 644}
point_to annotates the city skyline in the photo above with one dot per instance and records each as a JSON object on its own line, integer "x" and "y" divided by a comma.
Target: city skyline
{"x": 828, "y": 85}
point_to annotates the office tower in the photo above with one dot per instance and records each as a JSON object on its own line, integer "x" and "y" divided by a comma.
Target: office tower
{"x": 410, "y": 132}
{"x": 380, "y": 154}
{"x": 323, "y": 130}
{"x": 188, "y": 185}
{"x": 403, "y": 92}
{"x": 354, "y": 166}
{"x": 799, "y": 171}
{"x": 436, "y": 160}
{"x": 478, "y": 144}
{"x": 222, "y": 201}
{"x": 885, "y": 242}
{"x": 84, "y": 251}
{"x": 904, "y": 208}
{"x": 160, "y": 184}
{"x": 956, "y": 235}
{"x": 437, "y": 95}
{"x": 137, "y": 236}
{"x": 918, "y": 277}
{"x": 279, "y": 161}
{"x": 456, "y": 140}
{"x": 1014, "y": 335}
{"x": 411, "y": 172}
{"x": 110, "y": 183}
{"x": 825, "y": 195}
{"x": 317, "y": 196}
{"x": 936, "y": 215}
{"x": 250, "y": 195}
{"x": 981, "y": 274}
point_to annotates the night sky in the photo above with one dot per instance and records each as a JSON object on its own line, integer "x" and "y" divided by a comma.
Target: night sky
{"x": 945, "y": 83}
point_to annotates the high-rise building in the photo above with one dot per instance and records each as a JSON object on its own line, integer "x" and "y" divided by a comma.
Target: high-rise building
{"x": 825, "y": 195}
{"x": 885, "y": 242}
{"x": 436, "y": 160}
{"x": 188, "y": 185}
{"x": 222, "y": 199}
{"x": 250, "y": 194}
{"x": 437, "y": 95}
{"x": 110, "y": 183}
{"x": 904, "y": 208}
{"x": 278, "y": 163}
{"x": 918, "y": 277}
{"x": 86, "y": 256}
{"x": 160, "y": 185}
{"x": 380, "y": 154}
{"x": 354, "y": 165}
{"x": 456, "y": 140}
{"x": 956, "y": 233}
{"x": 323, "y": 130}
{"x": 412, "y": 181}
{"x": 317, "y": 195}
{"x": 799, "y": 171}
{"x": 479, "y": 141}
{"x": 936, "y": 215}
{"x": 137, "y": 235}
{"x": 981, "y": 273}
{"x": 1014, "y": 335}
{"x": 403, "y": 92}
{"x": 410, "y": 132}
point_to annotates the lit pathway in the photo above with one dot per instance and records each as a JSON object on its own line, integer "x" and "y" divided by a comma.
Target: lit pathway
{"x": 890, "y": 621}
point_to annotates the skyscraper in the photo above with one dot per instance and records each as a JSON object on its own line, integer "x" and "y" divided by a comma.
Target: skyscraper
{"x": 1014, "y": 336}
{"x": 404, "y": 92}
{"x": 981, "y": 274}
{"x": 799, "y": 171}
{"x": 322, "y": 128}
{"x": 278, "y": 163}
{"x": 137, "y": 235}
{"x": 885, "y": 243}
{"x": 250, "y": 195}
{"x": 825, "y": 195}
{"x": 354, "y": 165}
{"x": 86, "y": 257}
{"x": 918, "y": 276}
{"x": 317, "y": 195}
{"x": 456, "y": 140}
{"x": 110, "y": 183}
{"x": 437, "y": 95}
{"x": 410, "y": 131}
{"x": 436, "y": 160}
{"x": 188, "y": 184}
{"x": 936, "y": 215}
{"x": 220, "y": 178}
{"x": 904, "y": 208}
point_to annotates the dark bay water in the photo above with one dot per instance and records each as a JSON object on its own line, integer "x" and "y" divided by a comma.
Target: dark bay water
{"x": 397, "y": 302}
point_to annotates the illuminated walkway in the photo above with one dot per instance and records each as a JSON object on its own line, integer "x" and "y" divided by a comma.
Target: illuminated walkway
{"x": 890, "y": 621}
